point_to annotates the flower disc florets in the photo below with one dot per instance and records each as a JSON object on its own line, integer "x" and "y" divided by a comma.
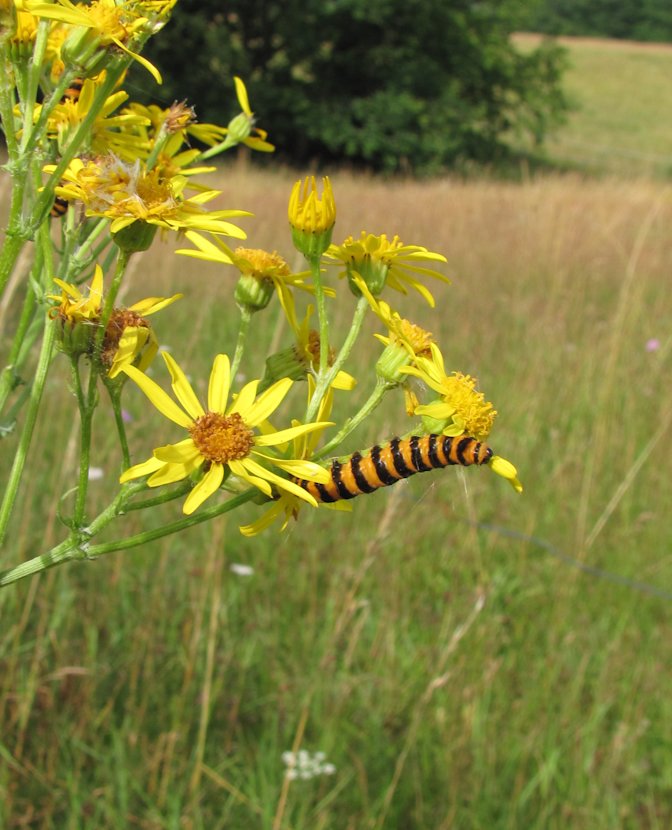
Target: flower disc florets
{"x": 222, "y": 438}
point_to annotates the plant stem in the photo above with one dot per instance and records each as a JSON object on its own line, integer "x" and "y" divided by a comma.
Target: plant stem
{"x": 323, "y": 321}
{"x": 79, "y": 548}
{"x": 26, "y": 436}
{"x": 245, "y": 317}
{"x": 324, "y": 380}
{"x": 375, "y": 398}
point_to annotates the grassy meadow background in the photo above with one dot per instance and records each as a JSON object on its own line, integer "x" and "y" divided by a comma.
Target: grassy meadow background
{"x": 465, "y": 657}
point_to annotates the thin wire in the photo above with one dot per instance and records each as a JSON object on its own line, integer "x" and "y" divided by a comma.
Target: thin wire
{"x": 609, "y": 576}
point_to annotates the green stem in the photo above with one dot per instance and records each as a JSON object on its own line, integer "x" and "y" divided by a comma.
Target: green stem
{"x": 86, "y": 253}
{"x": 26, "y": 436}
{"x": 374, "y": 400}
{"x": 324, "y": 380}
{"x": 7, "y": 105}
{"x": 9, "y": 378}
{"x": 323, "y": 321}
{"x": 88, "y": 405}
{"x": 173, "y": 527}
{"x": 32, "y": 85}
{"x": 32, "y": 410}
{"x": 80, "y": 548}
{"x": 161, "y": 498}
{"x": 114, "y": 389}
{"x": 245, "y": 317}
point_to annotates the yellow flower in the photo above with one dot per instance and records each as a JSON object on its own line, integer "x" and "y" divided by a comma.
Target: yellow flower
{"x": 99, "y": 26}
{"x": 306, "y": 351}
{"x": 405, "y": 340}
{"x": 127, "y": 334}
{"x": 312, "y": 219}
{"x": 267, "y": 270}
{"x": 380, "y": 262}
{"x": 111, "y": 132}
{"x": 241, "y": 129}
{"x": 126, "y": 193}
{"x": 222, "y": 438}
{"x": 288, "y": 505}
{"x": 461, "y": 409}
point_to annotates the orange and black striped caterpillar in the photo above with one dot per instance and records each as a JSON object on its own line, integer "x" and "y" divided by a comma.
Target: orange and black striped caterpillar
{"x": 59, "y": 208}
{"x": 401, "y": 458}
{"x": 72, "y": 93}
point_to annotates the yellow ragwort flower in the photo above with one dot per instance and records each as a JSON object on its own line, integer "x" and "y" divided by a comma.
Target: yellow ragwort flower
{"x": 461, "y": 408}
{"x": 112, "y": 132}
{"x": 312, "y": 219}
{"x": 126, "y": 193}
{"x": 380, "y": 262}
{"x": 221, "y": 438}
{"x": 128, "y": 335}
{"x": 98, "y": 26}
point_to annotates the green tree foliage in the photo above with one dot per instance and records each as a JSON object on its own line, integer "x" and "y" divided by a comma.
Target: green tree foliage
{"x": 391, "y": 84}
{"x": 627, "y": 19}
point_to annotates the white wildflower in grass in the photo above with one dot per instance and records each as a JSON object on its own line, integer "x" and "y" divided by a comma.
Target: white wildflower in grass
{"x": 304, "y": 765}
{"x": 241, "y": 570}
{"x": 96, "y": 473}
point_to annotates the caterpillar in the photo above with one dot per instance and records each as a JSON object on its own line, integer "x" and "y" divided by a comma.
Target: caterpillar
{"x": 400, "y": 458}
{"x": 73, "y": 92}
{"x": 59, "y": 208}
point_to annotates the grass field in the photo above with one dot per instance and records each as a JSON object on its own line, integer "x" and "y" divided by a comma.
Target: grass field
{"x": 465, "y": 657}
{"x": 622, "y": 99}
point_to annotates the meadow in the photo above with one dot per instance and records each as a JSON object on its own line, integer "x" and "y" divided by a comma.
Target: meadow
{"x": 463, "y": 656}
{"x": 621, "y": 99}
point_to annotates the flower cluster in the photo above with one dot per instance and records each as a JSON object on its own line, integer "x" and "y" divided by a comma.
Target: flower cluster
{"x": 304, "y": 765}
{"x": 99, "y": 177}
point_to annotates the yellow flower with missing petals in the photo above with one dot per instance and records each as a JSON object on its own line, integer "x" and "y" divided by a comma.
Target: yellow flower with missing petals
{"x": 380, "y": 262}
{"x": 128, "y": 335}
{"x": 241, "y": 129}
{"x": 128, "y": 193}
{"x": 461, "y": 408}
{"x": 222, "y": 439}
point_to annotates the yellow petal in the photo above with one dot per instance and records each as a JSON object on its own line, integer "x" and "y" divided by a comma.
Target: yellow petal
{"x": 145, "y": 468}
{"x": 182, "y": 388}
{"x": 220, "y": 382}
{"x": 298, "y": 468}
{"x": 160, "y": 399}
{"x": 257, "y": 470}
{"x": 288, "y": 434}
{"x": 170, "y": 473}
{"x": 238, "y": 469}
{"x": 344, "y": 381}
{"x": 184, "y": 452}
{"x": 131, "y": 343}
{"x": 267, "y": 402}
{"x": 241, "y": 94}
{"x": 264, "y": 521}
{"x": 245, "y": 399}
{"x": 506, "y": 469}
{"x": 150, "y": 305}
{"x": 204, "y": 489}
{"x": 435, "y": 410}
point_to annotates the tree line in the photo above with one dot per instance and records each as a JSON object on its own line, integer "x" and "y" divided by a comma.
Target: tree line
{"x": 649, "y": 20}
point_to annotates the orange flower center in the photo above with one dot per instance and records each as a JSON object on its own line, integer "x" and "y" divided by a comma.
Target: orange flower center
{"x": 221, "y": 438}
